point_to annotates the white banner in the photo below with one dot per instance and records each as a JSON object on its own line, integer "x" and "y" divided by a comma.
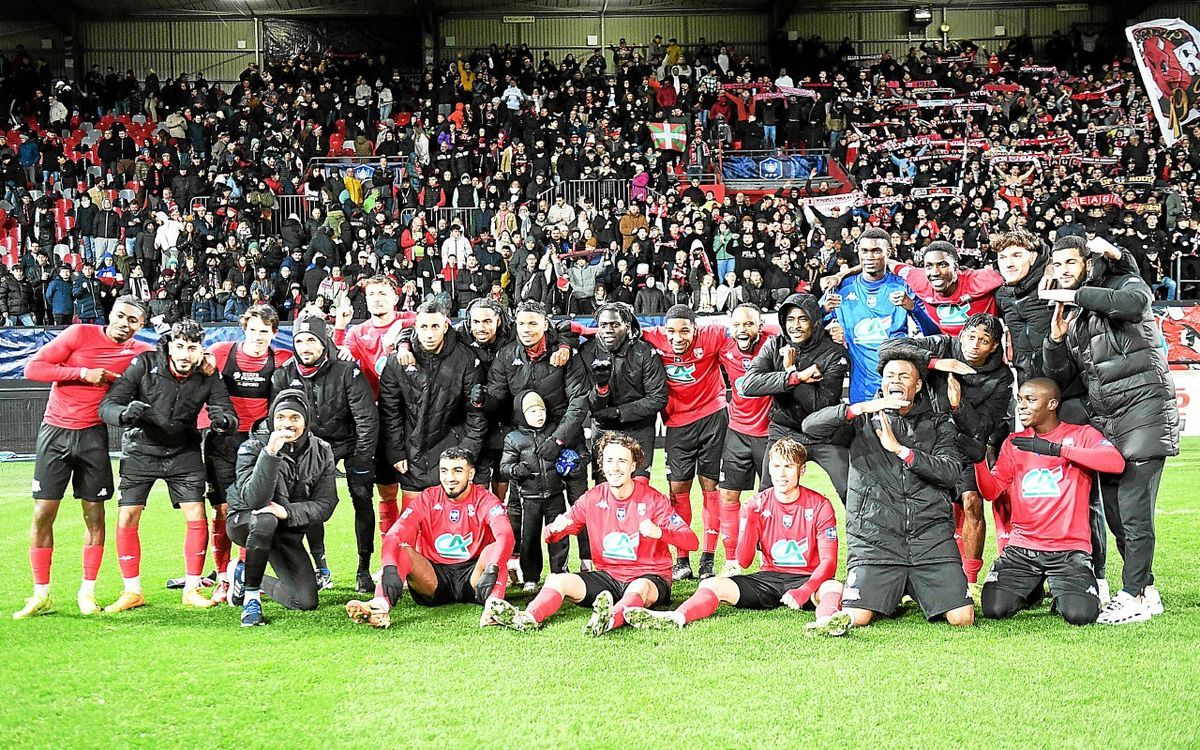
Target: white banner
{"x": 1167, "y": 52}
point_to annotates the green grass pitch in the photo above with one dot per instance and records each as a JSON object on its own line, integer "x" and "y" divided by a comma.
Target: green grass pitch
{"x": 160, "y": 677}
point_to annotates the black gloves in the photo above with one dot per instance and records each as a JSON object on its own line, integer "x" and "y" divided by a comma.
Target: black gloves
{"x": 610, "y": 414}
{"x": 475, "y": 396}
{"x": 393, "y": 584}
{"x": 1037, "y": 445}
{"x": 132, "y": 414}
{"x": 550, "y": 449}
{"x": 602, "y": 372}
{"x": 224, "y": 422}
{"x": 521, "y": 471}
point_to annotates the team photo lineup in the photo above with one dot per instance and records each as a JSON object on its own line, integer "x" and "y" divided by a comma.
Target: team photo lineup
{"x": 476, "y": 450}
{"x": 535, "y": 398}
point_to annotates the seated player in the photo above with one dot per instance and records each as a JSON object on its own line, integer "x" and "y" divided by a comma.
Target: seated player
{"x": 284, "y": 485}
{"x": 451, "y": 545}
{"x": 797, "y": 532}
{"x": 1046, "y": 469}
{"x": 629, "y": 525}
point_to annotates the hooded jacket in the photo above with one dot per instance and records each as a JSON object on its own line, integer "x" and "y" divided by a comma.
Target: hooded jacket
{"x": 301, "y": 478}
{"x": 426, "y": 408}
{"x": 168, "y": 428}
{"x": 520, "y": 448}
{"x": 638, "y": 385}
{"x": 564, "y": 389}
{"x": 897, "y": 513}
{"x": 343, "y": 406}
{"x": 793, "y": 403}
{"x": 982, "y": 414}
{"x": 1114, "y": 347}
{"x": 1027, "y": 318}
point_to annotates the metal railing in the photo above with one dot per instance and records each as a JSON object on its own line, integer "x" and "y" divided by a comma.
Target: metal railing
{"x": 467, "y": 217}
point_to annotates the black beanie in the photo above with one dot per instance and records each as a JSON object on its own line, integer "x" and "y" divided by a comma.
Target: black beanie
{"x": 317, "y": 327}
{"x": 292, "y": 399}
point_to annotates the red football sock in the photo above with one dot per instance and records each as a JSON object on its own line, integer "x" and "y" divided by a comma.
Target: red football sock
{"x": 710, "y": 518}
{"x": 830, "y": 602}
{"x": 972, "y": 568}
{"x": 546, "y": 603}
{"x": 195, "y": 547}
{"x": 39, "y": 559}
{"x": 129, "y": 551}
{"x": 92, "y": 555}
{"x": 701, "y": 604}
{"x": 729, "y": 528}
{"x": 681, "y": 502}
{"x": 220, "y": 545}
{"x": 389, "y": 511}
{"x": 490, "y": 555}
{"x": 631, "y": 599}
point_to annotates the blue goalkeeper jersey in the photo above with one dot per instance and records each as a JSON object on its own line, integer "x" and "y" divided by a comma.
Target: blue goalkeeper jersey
{"x": 869, "y": 318}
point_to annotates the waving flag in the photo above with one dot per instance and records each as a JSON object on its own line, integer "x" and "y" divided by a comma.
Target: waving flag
{"x": 1168, "y": 55}
{"x": 668, "y": 136}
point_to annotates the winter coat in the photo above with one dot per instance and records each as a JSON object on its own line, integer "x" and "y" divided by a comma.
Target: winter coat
{"x": 344, "y": 413}
{"x": 897, "y": 513}
{"x": 564, "y": 389}
{"x": 301, "y": 478}
{"x": 637, "y": 386}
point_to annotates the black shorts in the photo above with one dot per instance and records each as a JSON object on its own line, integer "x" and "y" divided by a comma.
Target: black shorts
{"x": 937, "y": 587}
{"x": 741, "y": 460}
{"x": 1023, "y": 572}
{"x": 453, "y": 585}
{"x": 76, "y": 456}
{"x": 696, "y": 448}
{"x": 385, "y": 472}
{"x": 184, "y": 476}
{"x": 764, "y": 589}
{"x": 220, "y": 462}
{"x": 596, "y": 581}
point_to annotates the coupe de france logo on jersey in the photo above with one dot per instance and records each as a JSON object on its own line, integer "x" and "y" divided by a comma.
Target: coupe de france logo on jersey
{"x": 454, "y": 546}
{"x": 681, "y": 373}
{"x": 789, "y": 553}
{"x": 871, "y": 330}
{"x": 620, "y": 546}
{"x": 1042, "y": 482}
{"x": 953, "y": 314}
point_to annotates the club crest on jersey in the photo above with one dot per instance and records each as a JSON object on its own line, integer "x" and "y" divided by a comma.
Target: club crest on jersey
{"x": 1042, "y": 482}
{"x": 454, "y": 515}
{"x": 789, "y": 553}
{"x": 788, "y": 520}
{"x": 454, "y": 546}
{"x": 620, "y": 546}
{"x": 681, "y": 373}
{"x": 620, "y": 514}
{"x": 872, "y": 300}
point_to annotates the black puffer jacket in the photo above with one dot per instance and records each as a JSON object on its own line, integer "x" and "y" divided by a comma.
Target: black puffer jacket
{"x": 765, "y": 375}
{"x": 520, "y": 450}
{"x": 301, "y": 478}
{"x": 982, "y": 414}
{"x": 1027, "y": 318}
{"x": 638, "y": 386}
{"x": 896, "y": 513}
{"x": 425, "y": 408}
{"x": 16, "y": 297}
{"x": 344, "y": 407}
{"x": 1114, "y": 346}
{"x": 564, "y": 389}
{"x": 168, "y": 428}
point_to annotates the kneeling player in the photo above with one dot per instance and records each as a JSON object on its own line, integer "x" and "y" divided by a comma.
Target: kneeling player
{"x": 285, "y": 485}
{"x": 629, "y": 525}
{"x": 797, "y": 532}
{"x": 451, "y": 545}
{"x": 1047, "y": 471}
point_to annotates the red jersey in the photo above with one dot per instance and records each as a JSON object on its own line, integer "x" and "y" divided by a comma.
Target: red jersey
{"x": 747, "y": 415}
{"x": 365, "y": 342}
{"x": 974, "y": 293}
{"x": 1049, "y": 494}
{"x": 75, "y": 404}
{"x": 449, "y": 531}
{"x": 798, "y": 537}
{"x": 618, "y": 547}
{"x": 248, "y": 380}
{"x": 694, "y": 385}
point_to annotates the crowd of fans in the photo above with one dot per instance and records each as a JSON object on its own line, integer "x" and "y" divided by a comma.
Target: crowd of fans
{"x": 216, "y": 203}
